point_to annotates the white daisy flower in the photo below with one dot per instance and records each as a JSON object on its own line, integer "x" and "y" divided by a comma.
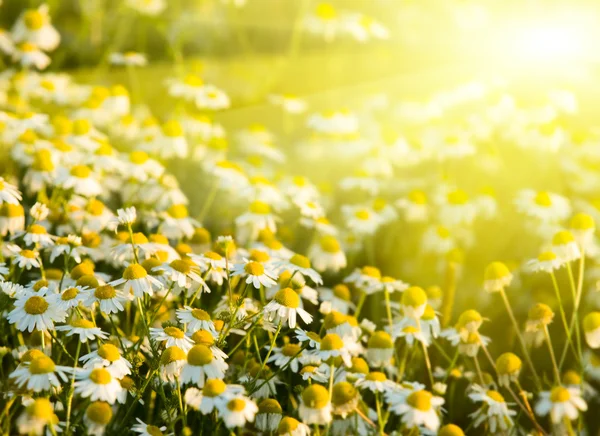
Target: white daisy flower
{"x": 196, "y": 319}
{"x": 257, "y": 274}
{"x": 40, "y": 374}
{"x": 420, "y": 410}
{"x": 109, "y": 357}
{"x": 97, "y": 384}
{"x": 315, "y": 407}
{"x": 289, "y": 426}
{"x": 561, "y": 403}
{"x": 215, "y": 393}
{"x": 35, "y": 310}
{"x": 494, "y": 410}
{"x": 237, "y": 411}
{"x": 144, "y": 429}
{"x": 109, "y": 299}
{"x": 172, "y": 336}
{"x": 376, "y": 381}
{"x": 84, "y": 328}
{"x": 283, "y": 308}
{"x": 137, "y": 281}
{"x": 27, "y": 259}
{"x": 301, "y": 265}
{"x": 201, "y": 365}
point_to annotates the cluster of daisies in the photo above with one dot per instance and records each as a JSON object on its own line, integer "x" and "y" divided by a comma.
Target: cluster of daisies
{"x": 287, "y": 305}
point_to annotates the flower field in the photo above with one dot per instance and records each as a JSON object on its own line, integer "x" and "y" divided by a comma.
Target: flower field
{"x": 277, "y": 217}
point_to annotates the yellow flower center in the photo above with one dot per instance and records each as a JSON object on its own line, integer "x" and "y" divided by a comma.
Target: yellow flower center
{"x": 301, "y": 261}
{"x": 182, "y": 266}
{"x": 199, "y": 355}
{"x": 178, "y": 211}
{"x": 508, "y": 363}
{"x": 109, "y": 352}
{"x": 99, "y": 412}
{"x": 287, "y": 297}
{"x": 376, "y": 376}
{"x": 200, "y": 314}
{"x": 414, "y": 297}
{"x": 105, "y": 292}
{"x": 172, "y": 354}
{"x": 153, "y": 430}
{"x": 214, "y": 387}
{"x": 41, "y": 408}
{"x": 287, "y": 425}
{"x": 138, "y": 157}
{"x": 260, "y": 208}
{"x": 236, "y": 405}
{"x": 342, "y": 292}
{"x": 41, "y": 365}
{"x": 343, "y": 392}
{"x": 362, "y": 214}
{"x": 560, "y": 395}
{"x": 28, "y": 254}
{"x": 259, "y": 256}
{"x": 495, "y": 395}
{"x": 543, "y": 199}
{"x": 204, "y": 337}
{"x": 100, "y": 376}
{"x": 331, "y": 342}
{"x": 36, "y": 229}
{"x": 174, "y": 332}
{"x": 36, "y": 305}
{"x": 172, "y": 129}
{"x": 82, "y": 323}
{"x": 329, "y": 244}
{"x": 458, "y": 197}
{"x": 33, "y": 19}
{"x": 135, "y": 271}
{"x": 380, "y": 339}
{"x": 290, "y": 350}
{"x": 81, "y": 171}
{"x": 254, "y": 268}
{"x": 315, "y": 396}
{"x": 420, "y": 400}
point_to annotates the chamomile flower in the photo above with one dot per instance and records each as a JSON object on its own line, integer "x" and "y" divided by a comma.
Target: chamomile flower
{"x": 560, "y": 403}
{"x": 332, "y": 345}
{"x": 40, "y": 374}
{"x": 543, "y": 205}
{"x": 37, "y": 417}
{"x": 237, "y": 411}
{"x": 97, "y": 417}
{"x": 494, "y": 410}
{"x": 420, "y": 410}
{"x": 546, "y": 261}
{"x": 86, "y": 330}
{"x": 214, "y": 393}
{"x": 315, "y": 407}
{"x": 497, "y": 276}
{"x": 196, "y": 319}
{"x": 27, "y": 259}
{"x": 97, "y": 384}
{"x": 137, "y": 281}
{"x": 289, "y": 426}
{"x": 109, "y": 299}
{"x": 565, "y": 246}
{"x": 9, "y": 193}
{"x": 327, "y": 254}
{"x": 172, "y": 336}
{"x": 591, "y": 329}
{"x": 288, "y": 355}
{"x": 269, "y": 415}
{"x": 284, "y": 307}
{"x": 202, "y": 364}
{"x": 35, "y": 310}
{"x": 508, "y": 367}
{"x": 144, "y": 429}
{"x": 129, "y": 58}
{"x": 107, "y": 356}
{"x": 339, "y": 296}
{"x": 34, "y": 26}
{"x": 256, "y": 273}
{"x": 380, "y": 349}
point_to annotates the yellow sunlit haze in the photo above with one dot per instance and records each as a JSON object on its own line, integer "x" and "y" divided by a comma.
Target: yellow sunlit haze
{"x": 294, "y": 217}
